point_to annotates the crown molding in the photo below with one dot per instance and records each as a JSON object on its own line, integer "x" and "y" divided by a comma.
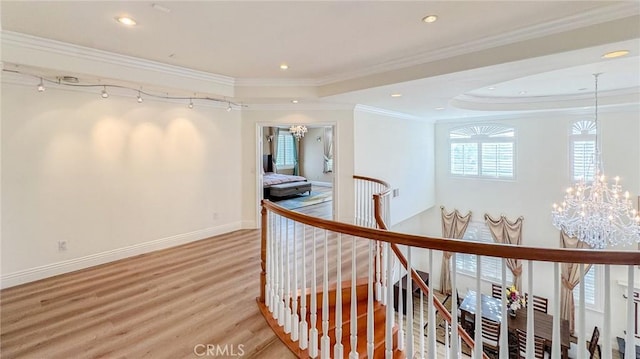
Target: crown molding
{"x": 58, "y": 47}
{"x": 258, "y": 82}
{"x": 612, "y": 95}
{"x": 592, "y": 17}
{"x": 529, "y": 115}
{"x": 311, "y": 106}
{"x": 390, "y": 113}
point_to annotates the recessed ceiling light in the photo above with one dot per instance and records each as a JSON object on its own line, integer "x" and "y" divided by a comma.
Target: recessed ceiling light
{"x": 614, "y": 54}
{"x": 294, "y": 101}
{"x": 491, "y": 88}
{"x": 124, "y": 20}
{"x": 429, "y": 19}
{"x": 396, "y": 95}
{"x": 582, "y": 89}
{"x": 439, "y": 108}
{"x": 284, "y": 67}
{"x": 522, "y": 92}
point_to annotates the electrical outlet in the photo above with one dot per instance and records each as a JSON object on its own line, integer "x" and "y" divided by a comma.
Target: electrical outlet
{"x": 396, "y": 192}
{"x": 62, "y": 246}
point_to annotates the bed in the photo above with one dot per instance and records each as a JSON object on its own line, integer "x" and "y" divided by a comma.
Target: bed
{"x": 280, "y": 185}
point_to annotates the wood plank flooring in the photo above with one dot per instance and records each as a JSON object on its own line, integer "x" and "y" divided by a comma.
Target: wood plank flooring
{"x": 157, "y": 305}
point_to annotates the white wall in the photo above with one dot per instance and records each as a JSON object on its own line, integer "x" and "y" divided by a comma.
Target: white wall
{"x": 111, "y": 177}
{"x": 342, "y": 119}
{"x": 400, "y": 152}
{"x": 312, "y": 153}
{"x": 542, "y": 175}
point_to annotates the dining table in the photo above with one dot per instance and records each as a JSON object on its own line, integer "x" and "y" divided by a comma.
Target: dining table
{"x": 491, "y": 308}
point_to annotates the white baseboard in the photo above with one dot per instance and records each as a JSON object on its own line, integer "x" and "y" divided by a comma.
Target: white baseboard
{"x": 49, "y": 270}
{"x": 250, "y": 225}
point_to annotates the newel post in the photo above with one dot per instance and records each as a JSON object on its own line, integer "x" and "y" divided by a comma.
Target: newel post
{"x": 263, "y": 253}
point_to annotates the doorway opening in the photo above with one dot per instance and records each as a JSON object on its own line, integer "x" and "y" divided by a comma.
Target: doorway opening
{"x": 297, "y": 168}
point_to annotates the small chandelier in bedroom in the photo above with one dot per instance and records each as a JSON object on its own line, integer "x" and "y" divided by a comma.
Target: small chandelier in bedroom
{"x": 298, "y": 131}
{"x": 594, "y": 212}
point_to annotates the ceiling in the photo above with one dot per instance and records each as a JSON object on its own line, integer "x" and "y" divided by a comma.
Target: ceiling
{"x": 363, "y": 51}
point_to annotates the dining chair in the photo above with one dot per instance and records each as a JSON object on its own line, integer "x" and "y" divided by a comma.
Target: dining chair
{"x": 592, "y": 346}
{"x": 496, "y": 291}
{"x": 540, "y": 304}
{"x": 538, "y": 351}
{"x": 491, "y": 336}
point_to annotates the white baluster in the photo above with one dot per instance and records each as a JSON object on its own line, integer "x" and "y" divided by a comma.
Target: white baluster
{"x": 431, "y": 318}
{"x": 281, "y": 299}
{"x": 582, "y": 337}
{"x": 287, "y": 302}
{"x": 295, "y": 319}
{"x": 421, "y": 324}
{"x": 409, "y": 339}
{"x": 313, "y": 333}
{"x": 379, "y": 292}
{"x": 530, "y": 321}
{"x": 353, "y": 354}
{"x": 324, "y": 343}
{"x": 447, "y": 341}
{"x": 304, "y": 327}
{"x": 370, "y": 321}
{"x": 477, "y": 349}
{"x": 454, "y": 308}
{"x": 400, "y": 333}
{"x": 338, "y": 348}
{"x": 504, "y": 326}
{"x": 555, "y": 340}
{"x": 606, "y": 327}
{"x": 629, "y": 349}
{"x": 268, "y": 269}
{"x": 388, "y": 345}
{"x": 385, "y": 269}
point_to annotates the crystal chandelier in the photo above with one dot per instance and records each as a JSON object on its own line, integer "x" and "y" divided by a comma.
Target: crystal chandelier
{"x": 598, "y": 213}
{"x": 298, "y": 131}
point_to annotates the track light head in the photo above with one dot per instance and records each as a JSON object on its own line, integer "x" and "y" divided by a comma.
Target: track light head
{"x": 190, "y": 103}
{"x": 104, "y": 92}
{"x": 229, "y": 107}
{"x": 139, "y": 97}
{"x": 41, "y": 86}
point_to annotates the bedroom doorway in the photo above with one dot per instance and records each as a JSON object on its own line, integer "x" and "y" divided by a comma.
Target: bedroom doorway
{"x": 297, "y": 169}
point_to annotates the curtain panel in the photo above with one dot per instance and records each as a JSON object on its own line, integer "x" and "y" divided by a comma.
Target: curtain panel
{"x": 507, "y": 232}
{"x": 570, "y": 279}
{"x": 453, "y": 226}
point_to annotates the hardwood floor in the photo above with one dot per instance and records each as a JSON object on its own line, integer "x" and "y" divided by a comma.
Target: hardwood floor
{"x": 158, "y": 305}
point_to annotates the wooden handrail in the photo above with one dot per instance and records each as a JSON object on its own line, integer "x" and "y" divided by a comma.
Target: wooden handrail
{"x": 560, "y": 255}
{"x": 388, "y": 186}
{"x": 377, "y": 213}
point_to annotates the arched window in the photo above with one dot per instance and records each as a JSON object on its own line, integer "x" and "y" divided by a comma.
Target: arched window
{"x": 582, "y": 142}
{"x": 482, "y": 151}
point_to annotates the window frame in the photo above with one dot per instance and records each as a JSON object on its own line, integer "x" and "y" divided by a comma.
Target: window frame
{"x": 479, "y": 140}
{"x": 585, "y": 135}
{"x": 285, "y": 135}
{"x": 598, "y": 282}
{"x": 486, "y": 237}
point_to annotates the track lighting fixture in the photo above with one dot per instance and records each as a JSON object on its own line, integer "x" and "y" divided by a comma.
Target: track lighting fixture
{"x": 41, "y": 86}
{"x": 74, "y": 82}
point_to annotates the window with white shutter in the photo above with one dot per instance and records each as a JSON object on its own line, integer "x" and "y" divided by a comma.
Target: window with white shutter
{"x": 482, "y": 151}
{"x": 583, "y": 149}
{"x": 491, "y": 266}
{"x": 284, "y": 156}
{"x": 590, "y": 294}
